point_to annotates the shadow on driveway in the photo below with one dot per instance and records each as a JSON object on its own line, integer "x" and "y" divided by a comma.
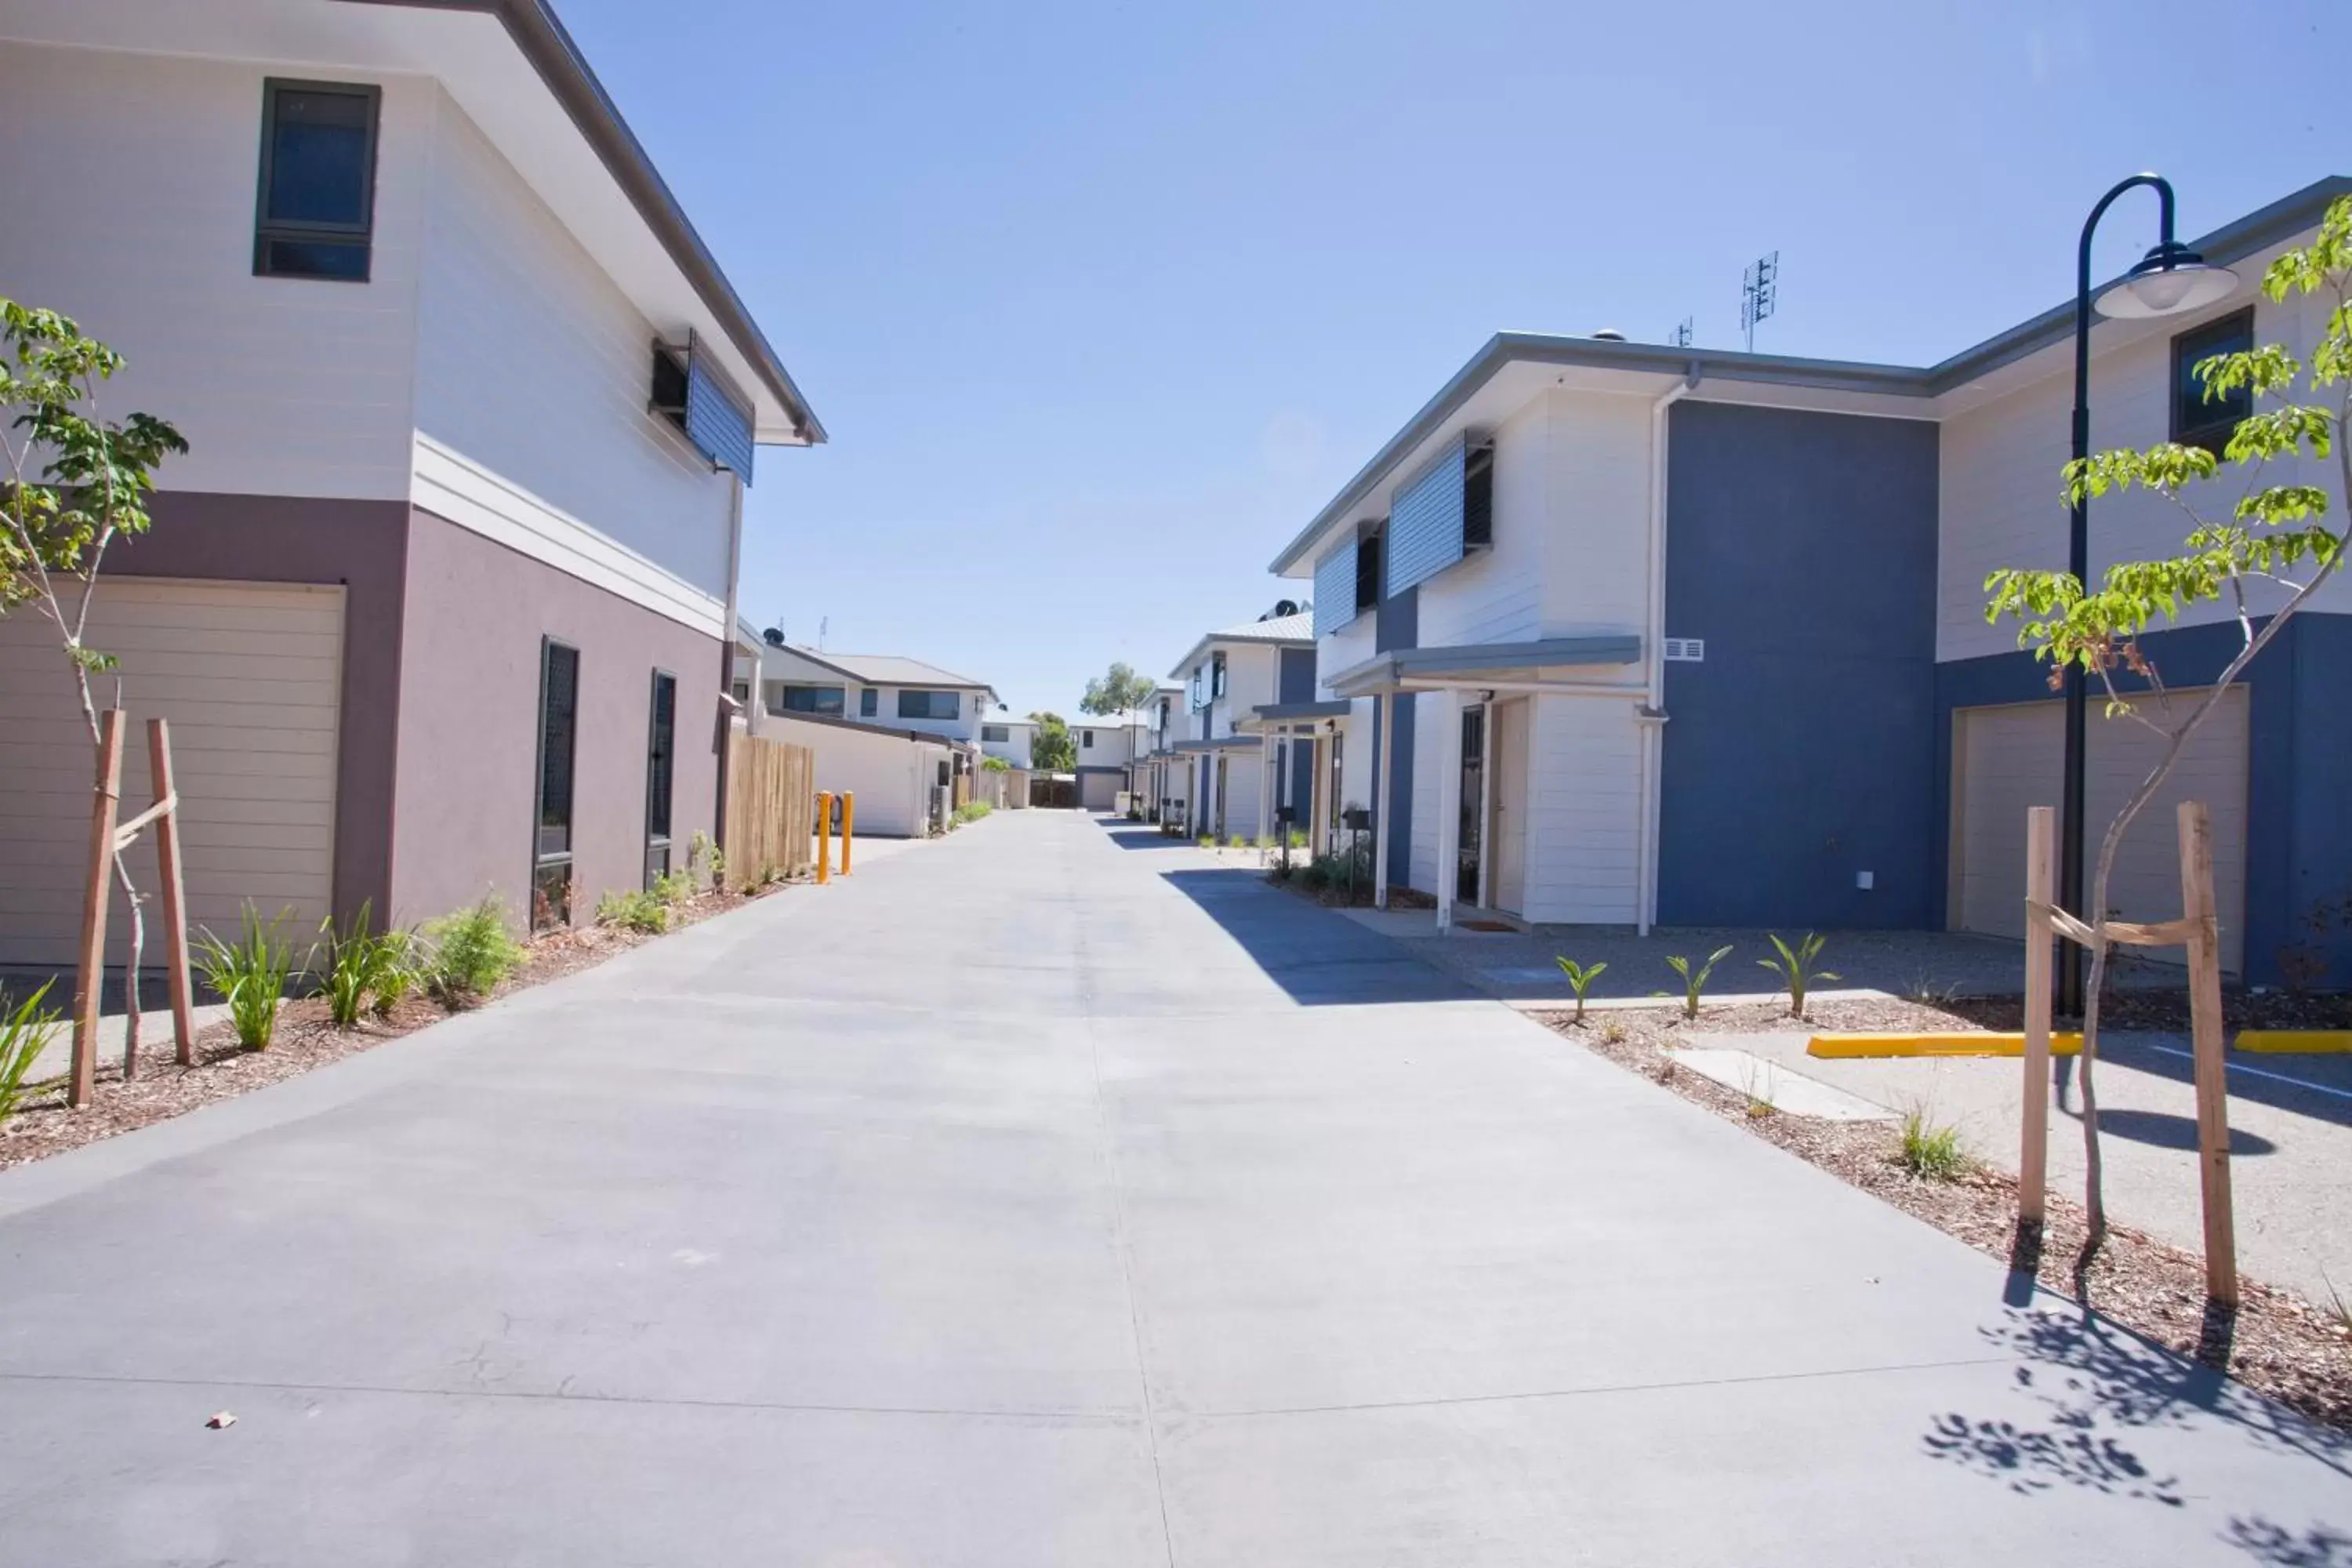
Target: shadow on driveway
{"x": 1319, "y": 958}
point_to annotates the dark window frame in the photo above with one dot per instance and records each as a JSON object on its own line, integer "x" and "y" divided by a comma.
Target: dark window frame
{"x": 661, "y": 775}
{"x": 554, "y": 870}
{"x": 996, "y": 734}
{"x": 268, "y": 231}
{"x": 2210, "y": 425}
{"x": 869, "y": 702}
{"x": 1216, "y": 676}
{"x": 786, "y": 690}
{"x": 930, "y": 708}
{"x": 1367, "y": 572}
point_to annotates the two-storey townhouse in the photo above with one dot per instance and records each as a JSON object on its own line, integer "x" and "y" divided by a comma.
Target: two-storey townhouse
{"x": 878, "y": 688}
{"x": 1106, "y": 745}
{"x": 439, "y": 602}
{"x": 1228, "y": 675}
{"x": 1636, "y": 634}
{"x": 1159, "y": 775}
{"x": 1009, "y": 739}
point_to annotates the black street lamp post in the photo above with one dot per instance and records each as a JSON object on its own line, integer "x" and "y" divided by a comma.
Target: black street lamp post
{"x": 2169, "y": 280}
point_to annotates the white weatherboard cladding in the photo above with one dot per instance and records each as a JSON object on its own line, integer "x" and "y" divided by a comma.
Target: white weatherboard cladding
{"x": 1569, "y": 553}
{"x": 1432, "y": 752}
{"x": 1999, "y": 472}
{"x": 2006, "y": 759}
{"x": 532, "y": 363}
{"x": 1335, "y": 588}
{"x": 1351, "y": 645}
{"x": 1584, "y": 816}
{"x": 137, "y": 219}
{"x": 250, "y": 677}
{"x": 1425, "y": 518}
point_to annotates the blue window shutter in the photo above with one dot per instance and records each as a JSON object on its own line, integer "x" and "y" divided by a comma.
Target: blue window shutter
{"x": 1335, "y": 588}
{"x": 1426, "y": 518}
{"x": 718, "y": 421}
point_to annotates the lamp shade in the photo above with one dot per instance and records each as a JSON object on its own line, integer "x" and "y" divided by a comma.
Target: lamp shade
{"x": 2169, "y": 280}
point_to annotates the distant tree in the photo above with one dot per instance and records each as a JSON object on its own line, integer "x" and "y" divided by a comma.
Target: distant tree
{"x": 2272, "y": 538}
{"x": 1115, "y": 691}
{"x": 1050, "y": 750}
{"x": 72, "y": 484}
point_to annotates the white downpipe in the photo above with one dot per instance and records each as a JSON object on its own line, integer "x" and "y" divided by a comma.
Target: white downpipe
{"x": 1654, "y": 658}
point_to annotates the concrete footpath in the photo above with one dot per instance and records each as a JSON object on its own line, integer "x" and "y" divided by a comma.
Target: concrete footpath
{"x": 1055, "y": 1197}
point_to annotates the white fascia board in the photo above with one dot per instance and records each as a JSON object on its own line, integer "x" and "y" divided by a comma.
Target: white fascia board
{"x": 449, "y": 485}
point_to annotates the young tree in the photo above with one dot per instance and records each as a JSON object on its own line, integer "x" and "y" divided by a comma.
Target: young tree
{"x": 1050, "y": 748}
{"x": 2273, "y": 542}
{"x": 74, "y": 483}
{"x": 1115, "y": 691}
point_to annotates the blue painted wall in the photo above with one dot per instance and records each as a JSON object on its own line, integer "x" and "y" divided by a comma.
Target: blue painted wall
{"x": 1801, "y": 547}
{"x": 1399, "y": 627}
{"x": 2299, "y": 768}
{"x": 1295, "y": 681}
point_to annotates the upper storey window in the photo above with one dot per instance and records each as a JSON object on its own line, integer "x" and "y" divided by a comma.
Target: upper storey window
{"x": 2198, "y": 420}
{"x": 316, "y": 215}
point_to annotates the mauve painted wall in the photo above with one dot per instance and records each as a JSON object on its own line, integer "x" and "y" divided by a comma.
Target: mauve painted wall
{"x": 1801, "y": 547}
{"x": 469, "y": 716}
{"x": 361, "y": 544}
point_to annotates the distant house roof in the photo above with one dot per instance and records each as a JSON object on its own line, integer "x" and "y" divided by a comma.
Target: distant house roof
{"x": 889, "y": 669}
{"x": 1290, "y": 631}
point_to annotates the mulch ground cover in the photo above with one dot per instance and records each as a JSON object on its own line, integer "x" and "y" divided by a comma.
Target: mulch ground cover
{"x": 305, "y": 1038}
{"x": 2291, "y": 1349}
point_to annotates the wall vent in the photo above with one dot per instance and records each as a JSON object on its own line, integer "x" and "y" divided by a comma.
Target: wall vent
{"x": 1685, "y": 650}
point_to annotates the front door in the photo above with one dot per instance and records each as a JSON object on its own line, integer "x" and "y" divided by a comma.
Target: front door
{"x": 1507, "y": 821}
{"x": 1473, "y": 804}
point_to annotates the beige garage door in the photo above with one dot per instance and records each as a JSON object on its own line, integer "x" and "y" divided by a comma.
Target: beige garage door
{"x": 250, "y": 676}
{"x": 2006, "y": 759}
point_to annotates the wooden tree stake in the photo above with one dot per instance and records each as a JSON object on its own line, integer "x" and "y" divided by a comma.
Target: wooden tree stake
{"x": 2206, "y": 1034}
{"x": 2033, "y": 1156}
{"x": 89, "y": 985}
{"x": 175, "y": 895}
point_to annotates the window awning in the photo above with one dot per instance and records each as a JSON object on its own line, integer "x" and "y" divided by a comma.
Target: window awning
{"x": 1541, "y": 663}
{"x": 1221, "y": 743}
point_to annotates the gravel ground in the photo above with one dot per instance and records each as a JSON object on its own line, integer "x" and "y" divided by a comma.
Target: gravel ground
{"x": 306, "y": 1038}
{"x": 2298, "y": 1354}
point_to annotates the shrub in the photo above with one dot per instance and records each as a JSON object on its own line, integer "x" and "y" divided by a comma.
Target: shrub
{"x": 364, "y": 965}
{"x": 1579, "y": 978}
{"x": 641, "y": 912}
{"x": 704, "y": 855}
{"x": 1930, "y": 1149}
{"x": 24, "y": 1031}
{"x": 249, "y": 975}
{"x": 1795, "y": 968}
{"x": 1297, "y": 838}
{"x": 1208, "y": 841}
{"x": 672, "y": 889}
{"x": 1237, "y": 841}
{"x": 971, "y": 811}
{"x": 472, "y": 952}
{"x": 1694, "y": 982}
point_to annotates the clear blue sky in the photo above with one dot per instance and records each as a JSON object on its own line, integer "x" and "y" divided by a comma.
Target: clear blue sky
{"x": 1101, "y": 301}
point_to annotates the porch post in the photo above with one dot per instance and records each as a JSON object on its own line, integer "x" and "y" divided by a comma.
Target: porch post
{"x": 1385, "y": 794}
{"x": 1267, "y": 743}
{"x": 1448, "y": 743}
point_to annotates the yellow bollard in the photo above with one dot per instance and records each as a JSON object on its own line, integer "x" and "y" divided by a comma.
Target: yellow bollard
{"x": 848, "y": 822}
{"x": 824, "y": 835}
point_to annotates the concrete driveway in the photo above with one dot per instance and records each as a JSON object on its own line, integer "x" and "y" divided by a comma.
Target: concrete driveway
{"x": 1051, "y": 1197}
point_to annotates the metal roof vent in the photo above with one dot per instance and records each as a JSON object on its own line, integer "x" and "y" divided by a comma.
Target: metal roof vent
{"x": 1609, "y": 335}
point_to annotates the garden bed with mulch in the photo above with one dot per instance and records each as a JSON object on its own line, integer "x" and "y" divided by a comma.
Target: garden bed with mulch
{"x": 2162, "y": 1009}
{"x": 2276, "y": 1343}
{"x": 305, "y": 1038}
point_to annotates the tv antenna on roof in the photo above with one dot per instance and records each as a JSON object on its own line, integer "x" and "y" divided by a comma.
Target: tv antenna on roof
{"x": 1682, "y": 338}
{"x": 1759, "y": 292}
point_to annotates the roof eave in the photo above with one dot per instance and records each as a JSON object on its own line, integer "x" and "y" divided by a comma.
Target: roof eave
{"x": 559, "y": 64}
